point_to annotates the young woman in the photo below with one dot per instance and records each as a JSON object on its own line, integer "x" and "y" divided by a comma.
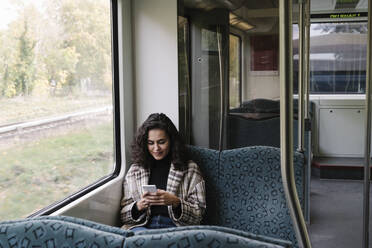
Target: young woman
{"x": 159, "y": 159}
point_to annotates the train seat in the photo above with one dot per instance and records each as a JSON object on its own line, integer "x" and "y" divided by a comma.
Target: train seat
{"x": 246, "y": 207}
{"x": 245, "y": 192}
{"x": 59, "y": 232}
{"x": 64, "y": 232}
{"x": 257, "y": 123}
{"x": 205, "y": 236}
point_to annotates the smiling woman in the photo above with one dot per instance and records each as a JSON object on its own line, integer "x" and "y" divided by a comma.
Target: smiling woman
{"x": 158, "y": 143}
{"x": 56, "y": 119}
{"x": 159, "y": 159}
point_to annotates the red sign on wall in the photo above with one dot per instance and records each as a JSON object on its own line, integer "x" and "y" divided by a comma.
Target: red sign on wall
{"x": 264, "y": 52}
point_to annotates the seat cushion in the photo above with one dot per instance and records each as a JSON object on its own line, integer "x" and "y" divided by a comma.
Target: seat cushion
{"x": 202, "y": 236}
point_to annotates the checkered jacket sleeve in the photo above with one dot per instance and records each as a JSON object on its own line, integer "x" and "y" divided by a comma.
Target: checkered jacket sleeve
{"x": 130, "y": 197}
{"x": 192, "y": 195}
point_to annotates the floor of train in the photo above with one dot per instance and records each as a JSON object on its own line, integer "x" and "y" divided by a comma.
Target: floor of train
{"x": 336, "y": 216}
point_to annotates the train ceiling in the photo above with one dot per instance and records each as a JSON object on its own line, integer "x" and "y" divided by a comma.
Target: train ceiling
{"x": 262, "y": 16}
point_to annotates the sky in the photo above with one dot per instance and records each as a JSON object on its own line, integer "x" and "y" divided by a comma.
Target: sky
{"x": 7, "y": 13}
{"x": 8, "y": 10}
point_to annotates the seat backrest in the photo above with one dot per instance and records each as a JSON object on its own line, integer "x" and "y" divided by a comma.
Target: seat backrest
{"x": 244, "y": 132}
{"x": 245, "y": 190}
{"x": 252, "y": 193}
{"x": 208, "y": 162}
{"x": 55, "y": 232}
{"x": 261, "y": 127}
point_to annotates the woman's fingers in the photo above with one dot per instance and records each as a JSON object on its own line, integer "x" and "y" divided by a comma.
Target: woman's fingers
{"x": 154, "y": 197}
{"x": 142, "y": 204}
{"x": 161, "y": 197}
{"x": 145, "y": 194}
{"x": 155, "y": 200}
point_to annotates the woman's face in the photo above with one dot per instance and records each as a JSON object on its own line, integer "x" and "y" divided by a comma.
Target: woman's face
{"x": 158, "y": 143}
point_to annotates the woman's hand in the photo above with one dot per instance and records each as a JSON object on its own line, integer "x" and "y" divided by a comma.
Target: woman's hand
{"x": 143, "y": 203}
{"x": 162, "y": 197}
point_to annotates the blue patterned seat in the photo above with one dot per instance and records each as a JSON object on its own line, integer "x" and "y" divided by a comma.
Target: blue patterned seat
{"x": 203, "y": 236}
{"x": 57, "y": 232}
{"x": 68, "y": 232}
{"x": 256, "y": 122}
{"x": 245, "y": 204}
{"x": 244, "y": 189}
{"x": 208, "y": 161}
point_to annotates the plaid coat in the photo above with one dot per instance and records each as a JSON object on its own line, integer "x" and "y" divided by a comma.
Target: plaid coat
{"x": 188, "y": 185}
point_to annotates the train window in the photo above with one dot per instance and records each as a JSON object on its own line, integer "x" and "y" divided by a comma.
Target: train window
{"x": 235, "y": 83}
{"x": 56, "y": 115}
{"x": 337, "y": 58}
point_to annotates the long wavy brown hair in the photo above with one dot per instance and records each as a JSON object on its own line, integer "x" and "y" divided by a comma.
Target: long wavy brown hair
{"x": 140, "y": 153}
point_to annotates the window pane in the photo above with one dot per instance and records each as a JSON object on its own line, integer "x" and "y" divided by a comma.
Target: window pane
{"x": 235, "y": 78}
{"x": 56, "y": 121}
{"x": 337, "y": 58}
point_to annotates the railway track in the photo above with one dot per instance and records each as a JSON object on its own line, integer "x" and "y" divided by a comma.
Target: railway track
{"x": 19, "y": 129}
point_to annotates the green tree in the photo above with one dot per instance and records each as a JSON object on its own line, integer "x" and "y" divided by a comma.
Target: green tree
{"x": 83, "y": 26}
{"x": 18, "y": 54}
{"x": 24, "y": 67}
{"x": 7, "y": 58}
{"x": 60, "y": 47}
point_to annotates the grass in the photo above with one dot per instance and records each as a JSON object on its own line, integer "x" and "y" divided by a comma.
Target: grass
{"x": 20, "y": 109}
{"x": 38, "y": 173}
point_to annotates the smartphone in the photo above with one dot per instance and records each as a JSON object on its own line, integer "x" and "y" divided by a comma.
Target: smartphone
{"x": 149, "y": 188}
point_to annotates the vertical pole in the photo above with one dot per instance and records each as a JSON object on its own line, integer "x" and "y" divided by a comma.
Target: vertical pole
{"x": 301, "y": 73}
{"x": 367, "y": 147}
{"x": 307, "y": 59}
{"x": 306, "y": 109}
{"x": 286, "y": 121}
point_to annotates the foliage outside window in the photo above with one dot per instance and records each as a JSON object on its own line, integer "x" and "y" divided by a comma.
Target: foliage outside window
{"x": 56, "y": 122}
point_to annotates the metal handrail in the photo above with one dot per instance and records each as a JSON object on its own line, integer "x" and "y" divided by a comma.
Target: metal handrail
{"x": 301, "y": 78}
{"x": 367, "y": 147}
{"x": 307, "y": 60}
{"x": 286, "y": 122}
{"x": 222, "y": 92}
{"x": 307, "y": 106}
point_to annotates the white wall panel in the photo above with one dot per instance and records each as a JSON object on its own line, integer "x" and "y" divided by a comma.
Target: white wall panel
{"x": 155, "y": 56}
{"x": 339, "y": 125}
{"x": 341, "y": 132}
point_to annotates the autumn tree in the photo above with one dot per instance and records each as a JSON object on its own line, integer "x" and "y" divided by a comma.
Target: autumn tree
{"x": 57, "y": 47}
{"x": 18, "y": 54}
{"x": 84, "y": 29}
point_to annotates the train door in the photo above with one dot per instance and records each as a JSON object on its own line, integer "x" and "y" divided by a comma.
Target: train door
{"x": 209, "y": 63}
